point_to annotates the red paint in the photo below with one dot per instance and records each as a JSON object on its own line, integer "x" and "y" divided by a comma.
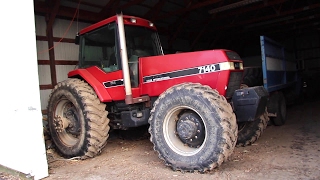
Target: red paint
{"x": 126, "y": 20}
{"x": 156, "y": 65}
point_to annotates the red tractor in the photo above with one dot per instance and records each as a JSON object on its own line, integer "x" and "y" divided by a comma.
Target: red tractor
{"x": 189, "y": 100}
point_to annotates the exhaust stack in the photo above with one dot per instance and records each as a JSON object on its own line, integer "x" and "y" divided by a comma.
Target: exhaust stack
{"x": 124, "y": 58}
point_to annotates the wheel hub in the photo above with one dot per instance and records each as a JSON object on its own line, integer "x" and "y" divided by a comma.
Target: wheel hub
{"x": 190, "y": 129}
{"x": 72, "y": 116}
{"x": 59, "y": 124}
{"x": 69, "y": 122}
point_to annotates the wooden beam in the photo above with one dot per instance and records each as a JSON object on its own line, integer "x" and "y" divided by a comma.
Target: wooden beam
{"x": 55, "y": 39}
{"x": 199, "y": 34}
{"x": 112, "y": 6}
{"x": 107, "y": 9}
{"x": 66, "y": 12}
{"x": 86, "y": 3}
{"x": 181, "y": 22}
{"x": 53, "y": 14}
{"x": 246, "y": 9}
{"x": 58, "y": 62}
{"x": 131, "y": 3}
{"x": 51, "y": 57}
{"x": 182, "y": 10}
{"x": 46, "y": 86}
{"x": 269, "y": 17}
{"x": 154, "y": 11}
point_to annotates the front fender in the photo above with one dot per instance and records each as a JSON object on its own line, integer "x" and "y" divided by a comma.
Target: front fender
{"x": 100, "y": 90}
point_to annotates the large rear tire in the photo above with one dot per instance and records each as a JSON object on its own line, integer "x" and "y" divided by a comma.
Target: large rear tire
{"x": 77, "y": 120}
{"x": 252, "y": 76}
{"x": 192, "y": 127}
{"x": 249, "y": 132}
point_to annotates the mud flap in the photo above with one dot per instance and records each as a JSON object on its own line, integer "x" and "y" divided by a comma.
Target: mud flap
{"x": 249, "y": 103}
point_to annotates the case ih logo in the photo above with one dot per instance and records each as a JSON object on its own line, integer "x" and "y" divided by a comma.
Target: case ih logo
{"x": 118, "y": 82}
{"x": 182, "y": 73}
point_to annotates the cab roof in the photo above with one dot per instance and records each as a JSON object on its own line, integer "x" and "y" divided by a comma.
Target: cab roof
{"x": 126, "y": 20}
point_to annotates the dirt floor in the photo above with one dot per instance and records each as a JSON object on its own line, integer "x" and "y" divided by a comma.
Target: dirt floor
{"x": 291, "y": 151}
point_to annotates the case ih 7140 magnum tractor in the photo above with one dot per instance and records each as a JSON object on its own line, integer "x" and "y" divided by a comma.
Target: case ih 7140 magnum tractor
{"x": 189, "y": 100}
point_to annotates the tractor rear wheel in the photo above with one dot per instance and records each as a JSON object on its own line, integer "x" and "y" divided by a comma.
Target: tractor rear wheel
{"x": 249, "y": 132}
{"x": 77, "y": 120}
{"x": 192, "y": 127}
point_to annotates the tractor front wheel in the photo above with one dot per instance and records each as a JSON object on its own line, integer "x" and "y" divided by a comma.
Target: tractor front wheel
{"x": 77, "y": 120}
{"x": 192, "y": 127}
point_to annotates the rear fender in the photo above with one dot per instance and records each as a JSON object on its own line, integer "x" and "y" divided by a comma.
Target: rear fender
{"x": 100, "y": 90}
{"x": 249, "y": 103}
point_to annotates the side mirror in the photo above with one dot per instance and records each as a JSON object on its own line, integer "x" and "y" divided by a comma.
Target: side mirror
{"x": 77, "y": 39}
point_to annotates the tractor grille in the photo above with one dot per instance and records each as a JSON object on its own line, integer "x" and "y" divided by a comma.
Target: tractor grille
{"x": 234, "y": 83}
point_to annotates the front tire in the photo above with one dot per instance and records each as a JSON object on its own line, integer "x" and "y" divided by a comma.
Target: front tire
{"x": 192, "y": 127}
{"x": 77, "y": 120}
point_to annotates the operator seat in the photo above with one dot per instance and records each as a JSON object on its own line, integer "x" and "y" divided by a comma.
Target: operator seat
{"x": 113, "y": 58}
{"x": 133, "y": 66}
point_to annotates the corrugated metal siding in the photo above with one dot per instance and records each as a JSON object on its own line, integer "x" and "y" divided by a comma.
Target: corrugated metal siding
{"x": 308, "y": 50}
{"x": 63, "y": 51}
{"x": 62, "y": 71}
{"x": 40, "y": 25}
{"x": 66, "y": 51}
{"x": 312, "y": 63}
{"x": 44, "y": 94}
{"x": 61, "y": 26}
{"x": 308, "y": 53}
{"x": 42, "y": 48}
{"x": 44, "y": 74}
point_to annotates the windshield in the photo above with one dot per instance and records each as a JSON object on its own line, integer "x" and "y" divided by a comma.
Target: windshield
{"x": 142, "y": 41}
{"x": 101, "y": 48}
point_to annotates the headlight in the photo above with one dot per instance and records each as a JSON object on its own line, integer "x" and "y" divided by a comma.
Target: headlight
{"x": 231, "y": 66}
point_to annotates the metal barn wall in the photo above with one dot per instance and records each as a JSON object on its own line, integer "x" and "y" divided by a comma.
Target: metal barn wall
{"x": 177, "y": 45}
{"x": 63, "y": 51}
{"x": 308, "y": 50}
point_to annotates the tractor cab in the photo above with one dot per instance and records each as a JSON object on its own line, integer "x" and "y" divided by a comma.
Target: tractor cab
{"x": 100, "y": 45}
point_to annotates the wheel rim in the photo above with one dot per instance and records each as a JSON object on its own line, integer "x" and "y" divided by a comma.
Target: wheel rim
{"x": 66, "y": 122}
{"x": 180, "y": 142}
